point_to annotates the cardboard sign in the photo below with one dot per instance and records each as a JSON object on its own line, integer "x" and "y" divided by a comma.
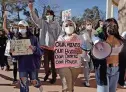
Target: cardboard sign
{"x": 65, "y": 54}
{"x": 66, "y": 15}
{"x": 21, "y": 47}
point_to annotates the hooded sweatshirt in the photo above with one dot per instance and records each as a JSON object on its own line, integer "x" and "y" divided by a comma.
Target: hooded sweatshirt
{"x": 49, "y": 32}
{"x": 27, "y": 63}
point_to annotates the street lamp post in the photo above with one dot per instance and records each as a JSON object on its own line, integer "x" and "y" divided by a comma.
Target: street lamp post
{"x": 109, "y": 9}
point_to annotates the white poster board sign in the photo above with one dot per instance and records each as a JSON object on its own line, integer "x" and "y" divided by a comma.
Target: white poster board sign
{"x": 66, "y": 14}
{"x": 21, "y": 47}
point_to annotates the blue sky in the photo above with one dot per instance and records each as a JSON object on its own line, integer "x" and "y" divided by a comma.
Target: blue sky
{"x": 78, "y": 6}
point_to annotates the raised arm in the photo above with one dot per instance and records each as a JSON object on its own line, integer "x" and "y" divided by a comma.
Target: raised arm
{"x": 34, "y": 17}
{"x": 5, "y": 24}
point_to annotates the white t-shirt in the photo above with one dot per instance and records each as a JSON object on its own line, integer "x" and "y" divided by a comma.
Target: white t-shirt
{"x": 117, "y": 50}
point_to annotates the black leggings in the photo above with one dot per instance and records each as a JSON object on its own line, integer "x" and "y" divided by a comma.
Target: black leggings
{"x": 2, "y": 63}
{"x": 15, "y": 71}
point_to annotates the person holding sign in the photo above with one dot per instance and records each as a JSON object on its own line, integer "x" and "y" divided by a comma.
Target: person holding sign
{"x": 28, "y": 64}
{"x": 67, "y": 74}
{"x": 50, "y": 31}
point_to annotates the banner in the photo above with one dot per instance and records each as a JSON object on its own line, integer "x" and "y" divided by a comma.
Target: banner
{"x": 65, "y": 54}
{"x": 66, "y": 15}
{"x": 20, "y": 47}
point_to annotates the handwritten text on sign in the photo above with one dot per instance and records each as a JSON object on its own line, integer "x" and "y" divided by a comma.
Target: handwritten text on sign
{"x": 21, "y": 47}
{"x": 66, "y": 54}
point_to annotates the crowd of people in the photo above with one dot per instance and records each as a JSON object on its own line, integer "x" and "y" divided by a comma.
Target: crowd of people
{"x": 109, "y": 71}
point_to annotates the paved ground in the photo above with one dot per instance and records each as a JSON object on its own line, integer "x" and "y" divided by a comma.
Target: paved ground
{"x": 6, "y": 80}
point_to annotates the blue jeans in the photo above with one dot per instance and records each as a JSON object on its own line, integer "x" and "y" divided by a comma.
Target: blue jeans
{"x": 112, "y": 80}
{"x": 24, "y": 85}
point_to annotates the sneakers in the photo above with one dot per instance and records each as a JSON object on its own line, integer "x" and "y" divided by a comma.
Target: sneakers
{"x": 40, "y": 89}
{"x": 52, "y": 81}
{"x": 124, "y": 85}
{"x": 86, "y": 84}
{"x": 2, "y": 68}
{"x": 46, "y": 77}
{"x": 14, "y": 82}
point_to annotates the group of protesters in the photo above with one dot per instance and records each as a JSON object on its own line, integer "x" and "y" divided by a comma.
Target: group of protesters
{"x": 109, "y": 71}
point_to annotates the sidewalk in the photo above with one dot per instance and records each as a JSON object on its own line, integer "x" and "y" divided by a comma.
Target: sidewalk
{"x": 6, "y": 80}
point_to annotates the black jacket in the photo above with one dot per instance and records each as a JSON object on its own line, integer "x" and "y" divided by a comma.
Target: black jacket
{"x": 122, "y": 64}
{"x": 2, "y": 45}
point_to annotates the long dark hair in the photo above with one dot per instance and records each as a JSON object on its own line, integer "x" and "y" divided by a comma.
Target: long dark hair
{"x": 111, "y": 27}
{"x": 98, "y": 24}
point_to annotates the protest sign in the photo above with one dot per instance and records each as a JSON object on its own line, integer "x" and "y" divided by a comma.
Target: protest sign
{"x": 20, "y": 47}
{"x": 66, "y": 54}
{"x": 66, "y": 15}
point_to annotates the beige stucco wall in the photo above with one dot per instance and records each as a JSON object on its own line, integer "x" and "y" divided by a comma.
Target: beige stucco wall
{"x": 122, "y": 15}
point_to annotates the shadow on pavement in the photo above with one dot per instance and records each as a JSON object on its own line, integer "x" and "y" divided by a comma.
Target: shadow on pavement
{"x": 6, "y": 77}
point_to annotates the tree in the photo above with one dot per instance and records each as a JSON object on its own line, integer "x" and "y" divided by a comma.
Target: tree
{"x": 77, "y": 20}
{"x": 122, "y": 16}
{"x": 102, "y": 15}
{"x": 93, "y": 14}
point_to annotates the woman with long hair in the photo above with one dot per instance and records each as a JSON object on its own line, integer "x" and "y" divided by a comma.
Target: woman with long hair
{"x": 107, "y": 71}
